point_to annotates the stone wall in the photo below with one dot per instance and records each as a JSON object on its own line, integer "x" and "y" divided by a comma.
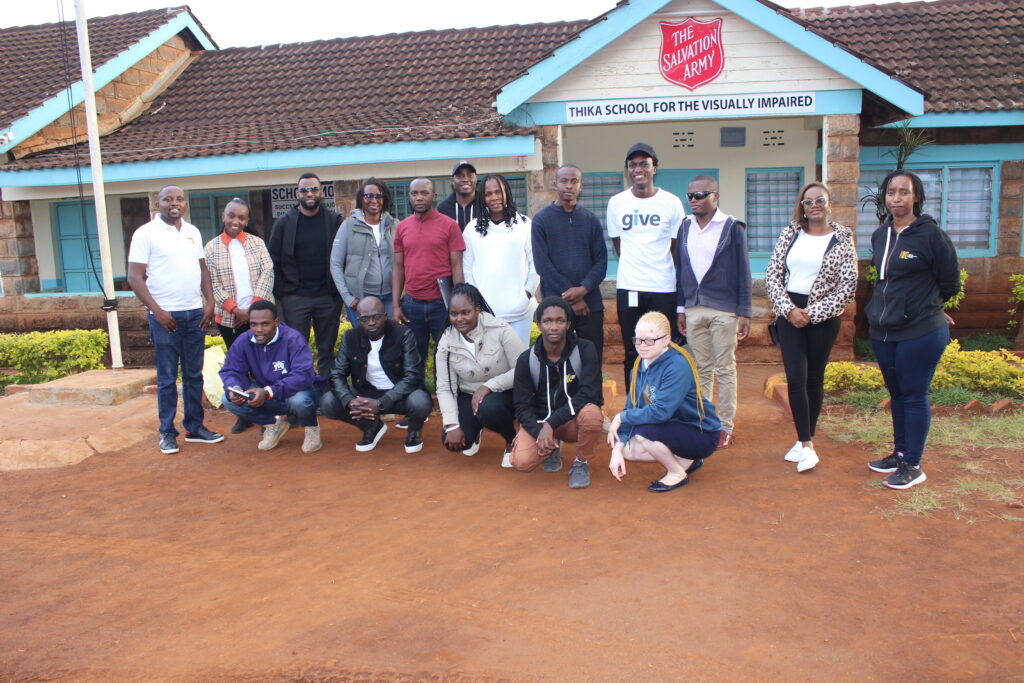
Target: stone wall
{"x": 19, "y": 269}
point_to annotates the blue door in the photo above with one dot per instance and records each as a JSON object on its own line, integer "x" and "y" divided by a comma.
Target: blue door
{"x": 77, "y": 246}
{"x": 676, "y": 180}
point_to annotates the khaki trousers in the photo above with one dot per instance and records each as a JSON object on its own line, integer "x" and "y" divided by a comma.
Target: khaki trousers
{"x": 711, "y": 335}
{"x": 584, "y": 431}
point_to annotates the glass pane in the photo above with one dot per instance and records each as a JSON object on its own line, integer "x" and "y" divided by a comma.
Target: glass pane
{"x": 443, "y": 187}
{"x": 597, "y": 190}
{"x": 969, "y": 207}
{"x": 867, "y": 221}
{"x": 770, "y": 197}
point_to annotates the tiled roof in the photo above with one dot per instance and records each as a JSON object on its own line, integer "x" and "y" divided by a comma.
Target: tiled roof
{"x": 32, "y": 63}
{"x": 328, "y": 93}
{"x": 968, "y": 55}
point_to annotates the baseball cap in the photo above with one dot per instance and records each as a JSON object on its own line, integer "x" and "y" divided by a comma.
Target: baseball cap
{"x": 460, "y": 164}
{"x": 642, "y": 148}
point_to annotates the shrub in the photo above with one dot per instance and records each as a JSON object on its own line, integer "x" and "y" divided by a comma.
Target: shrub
{"x": 1016, "y": 296}
{"x": 985, "y": 341}
{"x": 862, "y": 349}
{"x": 847, "y": 376}
{"x": 44, "y": 356}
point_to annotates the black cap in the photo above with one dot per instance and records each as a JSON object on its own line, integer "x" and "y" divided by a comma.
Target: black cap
{"x": 460, "y": 164}
{"x": 643, "y": 148}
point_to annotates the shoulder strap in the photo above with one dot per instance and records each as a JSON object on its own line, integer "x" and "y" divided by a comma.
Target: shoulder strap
{"x": 574, "y": 360}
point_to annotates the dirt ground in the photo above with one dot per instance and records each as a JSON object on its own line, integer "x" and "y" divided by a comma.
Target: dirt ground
{"x": 224, "y": 563}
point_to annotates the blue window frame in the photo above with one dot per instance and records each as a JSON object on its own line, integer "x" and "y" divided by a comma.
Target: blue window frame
{"x": 205, "y": 209}
{"x": 962, "y": 199}
{"x": 598, "y": 188}
{"x": 400, "y": 193}
{"x": 770, "y": 194}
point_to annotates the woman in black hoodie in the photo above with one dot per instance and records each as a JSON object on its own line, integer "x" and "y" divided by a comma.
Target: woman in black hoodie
{"x": 917, "y": 274}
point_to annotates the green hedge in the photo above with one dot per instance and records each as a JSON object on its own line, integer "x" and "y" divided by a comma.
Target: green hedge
{"x": 44, "y": 356}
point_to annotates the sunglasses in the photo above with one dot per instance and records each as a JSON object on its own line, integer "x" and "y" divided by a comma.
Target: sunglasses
{"x": 369, "y": 195}
{"x": 820, "y": 201}
{"x": 700, "y": 195}
{"x": 641, "y": 341}
{"x": 307, "y": 190}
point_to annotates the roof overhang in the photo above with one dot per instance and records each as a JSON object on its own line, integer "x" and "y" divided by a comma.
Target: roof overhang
{"x": 58, "y": 105}
{"x": 766, "y": 16}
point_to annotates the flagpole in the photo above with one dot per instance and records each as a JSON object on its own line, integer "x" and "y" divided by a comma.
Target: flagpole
{"x": 99, "y": 195}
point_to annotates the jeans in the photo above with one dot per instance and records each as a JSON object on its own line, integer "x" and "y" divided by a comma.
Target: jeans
{"x": 908, "y": 367}
{"x": 629, "y": 315}
{"x": 416, "y": 407}
{"x": 805, "y": 353}
{"x": 354, "y": 318}
{"x": 184, "y": 346}
{"x": 426, "y": 319}
{"x": 301, "y": 404}
{"x": 325, "y": 313}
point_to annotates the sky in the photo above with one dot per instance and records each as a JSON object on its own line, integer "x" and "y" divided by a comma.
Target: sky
{"x": 269, "y": 22}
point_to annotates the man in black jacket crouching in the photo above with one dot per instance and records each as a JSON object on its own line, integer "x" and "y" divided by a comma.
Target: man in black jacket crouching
{"x": 378, "y": 370}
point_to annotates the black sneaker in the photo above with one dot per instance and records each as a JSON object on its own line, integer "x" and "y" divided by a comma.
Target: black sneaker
{"x": 241, "y": 424}
{"x": 414, "y": 441}
{"x": 203, "y": 435}
{"x": 905, "y": 477}
{"x": 579, "y": 475}
{"x": 553, "y": 462}
{"x": 168, "y": 444}
{"x": 371, "y": 436}
{"x": 404, "y": 422}
{"x": 889, "y": 463}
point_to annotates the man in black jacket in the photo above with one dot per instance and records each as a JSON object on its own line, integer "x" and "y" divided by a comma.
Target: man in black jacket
{"x": 459, "y": 204}
{"x": 378, "y": 370}
{"x": 300, "y": 246}
{"x": 557, "y": 395}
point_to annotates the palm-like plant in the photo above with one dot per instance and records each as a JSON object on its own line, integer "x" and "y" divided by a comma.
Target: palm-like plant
{"x": 908, "y": 141}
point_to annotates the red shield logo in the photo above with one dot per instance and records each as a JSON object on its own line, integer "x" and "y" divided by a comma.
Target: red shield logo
{"x": 691, "y": 52}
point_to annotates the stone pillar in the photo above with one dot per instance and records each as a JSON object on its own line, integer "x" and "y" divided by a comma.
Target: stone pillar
{"x": 542, "y": 183}
{"x": 19, "y": 269}
{"x": 841, "y": 172}
{"x": 345, "y": 196}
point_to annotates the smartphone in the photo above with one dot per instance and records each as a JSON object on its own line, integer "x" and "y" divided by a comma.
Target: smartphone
{"x": 238, "y": 392}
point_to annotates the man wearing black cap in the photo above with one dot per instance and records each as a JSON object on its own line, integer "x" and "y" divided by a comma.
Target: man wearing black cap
{"x": 459, "y": 204}
{"x": 643, "y": 222}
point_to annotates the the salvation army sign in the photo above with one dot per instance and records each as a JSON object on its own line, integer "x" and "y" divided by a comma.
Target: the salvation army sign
{"x": 691, "y": 52}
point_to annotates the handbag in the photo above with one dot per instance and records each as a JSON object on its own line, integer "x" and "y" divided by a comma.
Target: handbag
{"x": 773, "y": 332}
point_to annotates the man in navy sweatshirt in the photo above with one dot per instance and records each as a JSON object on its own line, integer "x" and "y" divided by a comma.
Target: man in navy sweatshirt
{"x": 571, "y": 257}
{"x": 269, "y": 379}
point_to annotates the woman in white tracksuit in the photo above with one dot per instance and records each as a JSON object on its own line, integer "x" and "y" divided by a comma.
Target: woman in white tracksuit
{"x": 499, "y": 256}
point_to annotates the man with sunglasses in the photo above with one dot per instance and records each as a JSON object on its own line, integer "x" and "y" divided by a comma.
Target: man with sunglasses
{"x": 714, "y": 294}
{"x": 642, "y": 222}
{"x": 300, "y": 246}
{"x": 378, "y": 370}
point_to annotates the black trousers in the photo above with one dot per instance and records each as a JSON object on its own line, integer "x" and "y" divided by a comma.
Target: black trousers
{"x": 591, "y": 328}
{"x": 230, "y": 334}
{"x": 805, "y": 352}
{"x": 416, "y": 406}
{"x": 324, "y": 312}
{"x": 665, "y": 302}
{"x": 496, "y": 413}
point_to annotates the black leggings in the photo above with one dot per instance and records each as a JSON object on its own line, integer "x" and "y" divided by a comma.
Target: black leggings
{"x": 496, "y": 413}
{"x": 805, "y": 353}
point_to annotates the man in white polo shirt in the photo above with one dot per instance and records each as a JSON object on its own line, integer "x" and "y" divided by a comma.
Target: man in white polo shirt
{"x": 642, "y": 222}
{"x": 167, "y": 271}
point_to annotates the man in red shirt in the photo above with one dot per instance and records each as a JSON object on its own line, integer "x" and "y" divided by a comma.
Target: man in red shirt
{"x": 428, "y": 245}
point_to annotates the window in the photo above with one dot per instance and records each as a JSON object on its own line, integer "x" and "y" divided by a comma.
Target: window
{"x": 443, "y": 187}
{"x": 205, "y": 210}
{"x": 598, "y": 188}
{"x": 771, "y": 193}
{"x": 959, "y": 198}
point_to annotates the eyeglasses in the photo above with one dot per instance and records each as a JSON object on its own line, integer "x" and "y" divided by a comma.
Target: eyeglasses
{"x": 646, "y": 163}
{"x": 308, "y": 190}
{"x": 700, "y": 195}
{"x": 640, "y": 341}
{"x": 820, "y": 201}
{"x": 372, "y": 318}
{"x": 369, "y": 195}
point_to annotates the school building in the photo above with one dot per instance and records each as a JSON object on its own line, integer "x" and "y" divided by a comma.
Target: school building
{"x": 763, "y": 98}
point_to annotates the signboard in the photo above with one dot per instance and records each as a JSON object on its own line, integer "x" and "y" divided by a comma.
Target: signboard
{"x": 283, "y": 198}
{"x": 690, "y": 107}
{"x": 691, "y": 52}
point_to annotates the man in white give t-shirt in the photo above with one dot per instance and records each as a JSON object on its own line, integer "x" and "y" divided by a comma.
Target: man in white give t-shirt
{"x": 167, "y": 271}
{"x": 643, "y": 222}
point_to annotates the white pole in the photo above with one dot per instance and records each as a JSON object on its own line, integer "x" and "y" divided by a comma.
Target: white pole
{"x": 96, "y": 165}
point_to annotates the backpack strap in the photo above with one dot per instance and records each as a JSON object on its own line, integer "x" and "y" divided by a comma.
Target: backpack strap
{"x": 574, "y": 360}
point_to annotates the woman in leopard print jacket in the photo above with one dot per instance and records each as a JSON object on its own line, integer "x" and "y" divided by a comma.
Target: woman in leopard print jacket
{"x": 811, "y": 279}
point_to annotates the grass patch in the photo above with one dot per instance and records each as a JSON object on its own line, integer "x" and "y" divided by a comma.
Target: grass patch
{"x": 1011, "y": 518}
{"x": 858, "y": 398}
{"x": 862, "y": 349}
{"x": 919, "y": 502}
{"x": 991, "y": 489}
{"x": 958, "y": 396}
{"x": 985, "y": 341}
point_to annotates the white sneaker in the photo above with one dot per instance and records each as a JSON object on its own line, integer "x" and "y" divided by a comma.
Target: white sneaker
{"x": 312, "y": 442}
{"x": 793, "y": 454}
{"x": 506, "y": 460}
{"x": 475, "y": 447}
{"x": 808, "y": 459}
{"x": 274, "y": 433}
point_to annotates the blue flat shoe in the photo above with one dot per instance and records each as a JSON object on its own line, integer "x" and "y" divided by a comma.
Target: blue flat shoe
{"x": 657, "y": 487}
{"x": 696, "y": 465}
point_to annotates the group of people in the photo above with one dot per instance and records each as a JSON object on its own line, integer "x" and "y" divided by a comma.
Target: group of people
{"x": 465, "y": 274}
